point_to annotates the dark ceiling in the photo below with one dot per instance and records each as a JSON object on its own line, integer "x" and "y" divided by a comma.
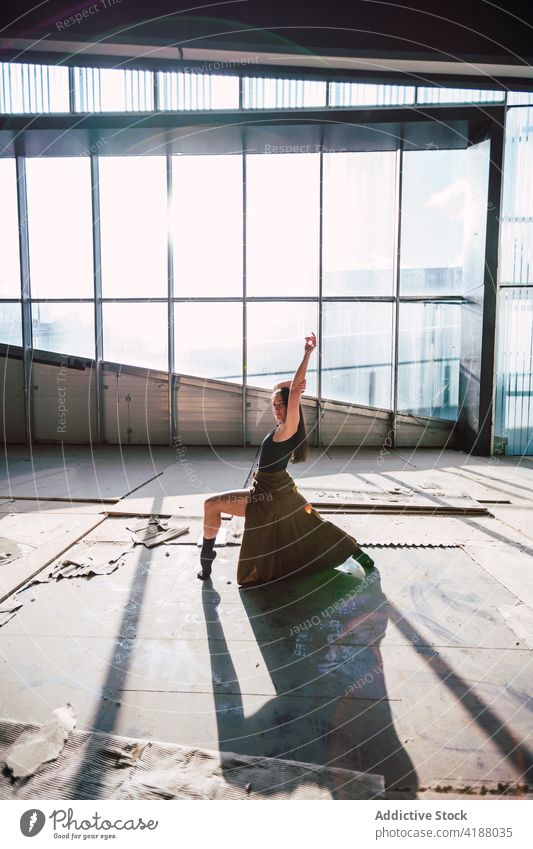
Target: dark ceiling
{"x": 451, "y": 30}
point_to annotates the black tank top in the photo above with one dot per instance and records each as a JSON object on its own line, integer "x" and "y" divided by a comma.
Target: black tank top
{"x": 275, "y": 456}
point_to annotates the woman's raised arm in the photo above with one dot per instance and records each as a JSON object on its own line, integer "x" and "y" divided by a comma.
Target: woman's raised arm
{"x": 297, "y": 386}
{"x": 310, "y": 345}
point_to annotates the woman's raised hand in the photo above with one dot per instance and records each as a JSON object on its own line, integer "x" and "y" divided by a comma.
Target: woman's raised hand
{"x": 310, "y": 343}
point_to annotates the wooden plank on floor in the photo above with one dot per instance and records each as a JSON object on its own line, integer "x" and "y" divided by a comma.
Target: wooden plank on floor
{"x": 18, "y": 572}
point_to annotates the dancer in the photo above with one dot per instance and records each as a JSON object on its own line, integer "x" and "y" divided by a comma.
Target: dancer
{"x": 283, "y": 535}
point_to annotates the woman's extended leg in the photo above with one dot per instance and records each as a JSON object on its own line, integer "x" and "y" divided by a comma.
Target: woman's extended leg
{"x": 234, "y": 503}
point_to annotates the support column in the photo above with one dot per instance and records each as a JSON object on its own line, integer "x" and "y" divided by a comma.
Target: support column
{"x": 26, "y": 293}
{"x": 475, "y": 424}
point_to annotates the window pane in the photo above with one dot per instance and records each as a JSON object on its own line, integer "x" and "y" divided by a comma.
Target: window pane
{"x": 10, "y": 324}
{"x": 514, "y": 387}
{"x": 207, "y": 225}
{"x": 282, "y": 218}
{"x": 136, "y": 335}
{"x": 433, "y": 211}
{"x": 439, "y": 94}
{"x": 370, "y": 94}
{"x": 358, "y": 223}
{"x": 428, "y": 359}
{"x": 9, "y": 224}
{"x": 180, "y": 91}
{"x": 208, "y": 340}
{"x": 33, "y": 88}
{"x": 133, "y": 216}
{"x": 357, "y": 353}
{"x": 516, "y": 256}
{"x": 279, "y": 93}
{"x": 276, "y": 339}
{"x": 64, "y": 328}
{"x": 113, "y": 90}
{"x": 60, "y": 227}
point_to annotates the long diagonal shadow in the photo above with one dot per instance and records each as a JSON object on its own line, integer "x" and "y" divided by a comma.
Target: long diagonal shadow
{"x": 330, "y": 705}
{"x": 516, "y": 752}
{"x": 89, "y": 778}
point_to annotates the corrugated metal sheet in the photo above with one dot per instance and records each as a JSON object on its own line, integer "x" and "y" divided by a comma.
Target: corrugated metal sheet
{"x": 441, "y": 94}
{"x": 514, "y": 381}
{"x": 12, "y": 416}
{"x": 113, "y": 90}
{"x": 519, "y": 98}
{"x": 26, "y": 89}
{"x": 344, "y": 424}
{"x": 177, "y": 91}
{"x": 514, "y": 374}
{"x": 279, "y": 93}
{"x": 370, "y": 94}
{"x": 64, "y": 404}
{"x": 208, "y": 412}
{"x": 417, "y": 433}
{"x": 516, "y": 242}
{"x": 136, "y": 408}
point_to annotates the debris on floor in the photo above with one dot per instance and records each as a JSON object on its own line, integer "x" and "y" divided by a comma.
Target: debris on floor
{"x": 82, "y": 567}
{"x": 161, "y": 770}
{"x": 7, "y": 611}
{"x": 9, "y": 550}
{"x": 156, "y": 532}
{"x": 126, "y": 754}
{"x": 33, "y": 749}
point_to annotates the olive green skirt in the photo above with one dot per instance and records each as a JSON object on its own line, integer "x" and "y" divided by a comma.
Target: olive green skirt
{"x": 284, "y": 536}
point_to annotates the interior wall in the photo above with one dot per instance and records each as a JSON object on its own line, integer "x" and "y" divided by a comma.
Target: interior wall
{"x": 63, "y": 404}
{"x": 12, "y": 414}
{"x": 135, "y": 407}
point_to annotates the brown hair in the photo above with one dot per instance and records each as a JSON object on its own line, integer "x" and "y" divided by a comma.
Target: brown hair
{"x": 301, "y": 452}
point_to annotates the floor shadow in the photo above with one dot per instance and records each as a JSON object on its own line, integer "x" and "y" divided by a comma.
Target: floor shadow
{"x": 319, "y": 637}
{"x": 494, "y": 726}
{"x": 89, "y": 782}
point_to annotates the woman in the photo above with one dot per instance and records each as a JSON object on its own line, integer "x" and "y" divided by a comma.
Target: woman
{"x": 283, "y": 535}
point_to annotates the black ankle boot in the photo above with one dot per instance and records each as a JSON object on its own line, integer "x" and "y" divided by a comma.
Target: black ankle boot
{"x": 206, "y": 558}
{"x": 363, "y": 559}
{"x": 206, "y": 561}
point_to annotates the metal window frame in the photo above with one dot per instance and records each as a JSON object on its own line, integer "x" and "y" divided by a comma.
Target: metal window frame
{"x": 104, "y": 121}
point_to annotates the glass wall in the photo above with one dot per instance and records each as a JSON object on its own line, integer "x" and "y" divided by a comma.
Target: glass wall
{"x": 208, "y": 340}
{"x": 357, "y": 349}
{"x": 9, "y": 228}
{"x": 10, "y": 282}
{"x": 221, "y": 257}
{"x": 282, "y": 224}
{"x": 428, "y": 359}
{"x": 275, "y": 341}
{"x": 10, "y": 323}
{"x": 433, "y": 211}
{"x": 136, "y": 334}
{"x": 65, "y": 328}
{"x": 359, "y": 210}
{"x": 514, "y": 383}
{"x": 60, "y": 226}
{"x": 206, "y": 210}
{"x": 133, "y": 226}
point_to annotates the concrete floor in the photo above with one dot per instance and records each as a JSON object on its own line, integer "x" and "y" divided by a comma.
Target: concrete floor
{"x": 420, "y": 672}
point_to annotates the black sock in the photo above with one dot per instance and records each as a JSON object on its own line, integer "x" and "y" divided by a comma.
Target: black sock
{"x": 208, "y": 544}
{"x": 207, "y": 555}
